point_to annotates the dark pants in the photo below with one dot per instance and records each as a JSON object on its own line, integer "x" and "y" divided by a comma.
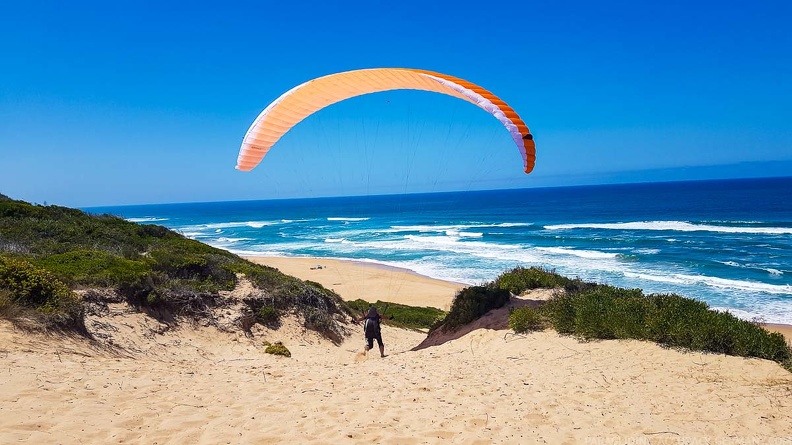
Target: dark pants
{"x": 370, "y": 340}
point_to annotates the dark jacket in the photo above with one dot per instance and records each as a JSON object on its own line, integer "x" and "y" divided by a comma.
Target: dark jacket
{"x": 371, "y": 323}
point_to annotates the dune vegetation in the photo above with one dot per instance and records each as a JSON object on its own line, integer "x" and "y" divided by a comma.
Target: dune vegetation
{"x": 593, "y": 311}
{"x": 49, "y": 255}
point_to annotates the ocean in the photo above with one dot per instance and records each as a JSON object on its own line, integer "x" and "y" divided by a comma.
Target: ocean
{"x": 726, "y": 242}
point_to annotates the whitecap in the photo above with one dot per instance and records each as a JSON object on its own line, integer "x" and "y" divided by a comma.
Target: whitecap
{"x": 591, "y": 254}
{"x": 146, "y": 219}
{"x": 680, "y": 226}
{"x": 338, "y": 218}
{"x": 647, "y": 251}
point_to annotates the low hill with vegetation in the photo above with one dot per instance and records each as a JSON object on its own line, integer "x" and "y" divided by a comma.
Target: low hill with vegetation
{"x": 50, "y": 255}
{"x": 592, "y": 311}
{"x": 55, "y": 262}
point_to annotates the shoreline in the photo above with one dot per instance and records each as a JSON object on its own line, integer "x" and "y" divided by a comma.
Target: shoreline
{"x": 353, "y": 279}
{"x": 784, "y": 329}
{"x": 368, "y": 281}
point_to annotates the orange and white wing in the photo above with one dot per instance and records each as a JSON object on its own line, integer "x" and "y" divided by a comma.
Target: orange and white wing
{"x": 303, "y": 100}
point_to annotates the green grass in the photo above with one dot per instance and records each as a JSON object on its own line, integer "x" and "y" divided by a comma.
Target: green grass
{"x": 408, "y": 317}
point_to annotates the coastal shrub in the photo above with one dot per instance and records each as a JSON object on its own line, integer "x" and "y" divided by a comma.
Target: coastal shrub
{"x": 91, "y": 267}
{"x": 153, "y": 268}
{"x": 277, "y": 348}
{"x": 263, "y": 277}
{"x": 526, "y": 319}
{"x": 26, "y": 286}
{"x": 267, "y": 315}
{"x": 520, "y": 279}
{"x": 7, "y": 307}
{"x": 608, "y": 312}
{"x": 404, "y": 316}
{"x": 321, "y": 322}
{"x": 470, "y": 304}
{"x": 203, "y": 267}
{"x": 320, "y": 308}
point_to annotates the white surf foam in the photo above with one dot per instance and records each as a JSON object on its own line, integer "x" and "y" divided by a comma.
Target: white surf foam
{"x": 655, "y": 278}
{"x": 249, "y": 253}
{"x": 724, "y": 283}
{"x": 224, "y": 239}
{"x": 338, "y": 218}
{"x": 229, "y": 225}
{"x": 146, "y": 219}
{"x": 716, "y": 282}
{"x": 647, "y": 251}
{"x": 456, "y": 233}
{"x": 731, "y": 263}
{"x": 592, "y": 254}
{"x": 771, "y": 312}
{"x": 679, "y": 226}
{"x": 451, "y": 227}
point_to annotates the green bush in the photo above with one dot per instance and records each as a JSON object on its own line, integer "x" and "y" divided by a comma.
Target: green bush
{"x": 612, "y": 313}
{"x": 152, "y": 267}
{"x": 520, "y": 279}
{"x": 277, "y": 349}
{"x": 91, "y": 267}
{"x": 471, "y": 303}
{"x": 526, "y": 319}
{"x": 31, "y": 286}
{"x": 8, "y": 309}
{"x": 267, "y": 315}
{"x": 27, "y": 286}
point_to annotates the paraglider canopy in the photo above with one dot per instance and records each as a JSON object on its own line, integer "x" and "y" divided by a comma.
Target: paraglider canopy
{"x": 305, "y": 99}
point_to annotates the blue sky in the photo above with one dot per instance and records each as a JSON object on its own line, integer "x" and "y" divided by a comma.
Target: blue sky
{"x": 111, "y": 103}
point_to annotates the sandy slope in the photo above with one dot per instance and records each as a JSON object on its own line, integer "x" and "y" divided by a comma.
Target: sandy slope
{"x": 481, "y": 385}
{"x": 198, "y": 385}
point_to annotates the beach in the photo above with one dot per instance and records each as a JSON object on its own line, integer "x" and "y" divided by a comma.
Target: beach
{"x": 368, "y": 281}
{"x": 196, "y": 384}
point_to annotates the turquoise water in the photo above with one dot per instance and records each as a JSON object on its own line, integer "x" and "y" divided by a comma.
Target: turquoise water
{"x": 728, "y": 243}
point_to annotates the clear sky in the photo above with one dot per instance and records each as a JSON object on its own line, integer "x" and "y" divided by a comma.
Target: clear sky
{"x": 132, "y": 102}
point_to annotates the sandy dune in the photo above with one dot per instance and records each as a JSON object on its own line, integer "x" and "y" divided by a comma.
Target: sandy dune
{"x": 483, "y": 385}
